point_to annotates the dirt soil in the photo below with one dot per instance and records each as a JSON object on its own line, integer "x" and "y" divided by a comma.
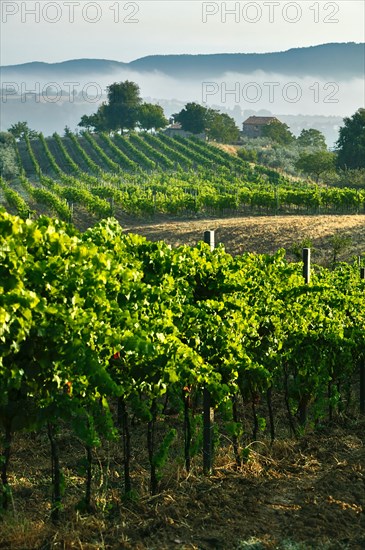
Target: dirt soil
{"x": 309, "y": 494}
{"x": 293, "y": 495}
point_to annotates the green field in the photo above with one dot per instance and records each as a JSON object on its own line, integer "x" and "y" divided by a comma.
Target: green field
{"x": 95, "y": 176}
{"x": 128, "y": 368}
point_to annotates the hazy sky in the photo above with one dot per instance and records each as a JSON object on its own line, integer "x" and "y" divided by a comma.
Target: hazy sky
{"x": 125, "y": 30}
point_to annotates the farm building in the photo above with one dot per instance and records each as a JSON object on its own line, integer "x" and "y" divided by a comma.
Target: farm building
{"x": 253, "y": 125}
{"x": 176, "y": 130}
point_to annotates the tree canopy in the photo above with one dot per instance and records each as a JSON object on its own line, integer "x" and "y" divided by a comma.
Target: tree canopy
{"x": 193, "y": 118}
{"x": 351, "y": 142}
{"x": 119, "y": 112}
{"x": 151, "y": 117}
{"x": 314, "y": 164}
{"x": 21, "y": 129}
{"x": 98, "y": 121}
{"x": 311, "y": 138}
{"x": 124, "y": 110}
{"x": 279, "y": 132}
{"x": 222, "y": 127}
{"x": 197, "y": 119}
{"x": 124, "y": 101}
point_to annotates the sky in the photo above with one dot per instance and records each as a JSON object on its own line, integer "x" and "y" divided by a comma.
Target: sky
{"x": 122, "y": 30}
{"x": 53, "y": 31}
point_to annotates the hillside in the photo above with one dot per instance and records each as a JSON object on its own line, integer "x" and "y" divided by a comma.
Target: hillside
{"x": 156, "y": 178}
{"x": 144, "y": 175}
{"x": 336, "y": 60}
{"x": 262, "y": 234}
{"x": 113, "y": 319}
{"x": 175, "y": 189}
{"x": 322, "y": 105}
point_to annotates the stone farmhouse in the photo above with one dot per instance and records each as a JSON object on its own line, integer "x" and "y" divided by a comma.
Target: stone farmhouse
{"x": 253, "y": 125}
{"x": 175, "y": 129}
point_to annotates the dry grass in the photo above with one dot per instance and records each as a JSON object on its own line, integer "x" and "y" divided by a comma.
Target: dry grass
{"x": 261, "y": 234}
{"x": 288, "y": 495}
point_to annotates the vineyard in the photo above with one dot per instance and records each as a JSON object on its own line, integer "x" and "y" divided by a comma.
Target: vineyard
{"x": 133, "y": 366}
{"x": 84, "y": 179}
{"x": 102, "y": 332}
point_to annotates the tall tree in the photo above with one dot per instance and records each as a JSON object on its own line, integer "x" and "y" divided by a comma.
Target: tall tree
{"x": 222, "y": 127}
{"x": 193, "y": 118}
{"x": 311, "y": 138}
{"x": 314, "y": 164}
{"x": 21, "y": 129}
{"x": 279, "y": 132}
{"x": 123, "y": 105}
{"x": 351, "y": 142}
{"x": 120, "y": 111}
{"x": 151, "y": 116}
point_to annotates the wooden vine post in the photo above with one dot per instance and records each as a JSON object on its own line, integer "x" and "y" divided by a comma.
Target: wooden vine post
{"x": 208, "y": 410}
{"x": 302, "y": 409}
{"x": 306, "y": 265}
{"x": 362, "y": 364}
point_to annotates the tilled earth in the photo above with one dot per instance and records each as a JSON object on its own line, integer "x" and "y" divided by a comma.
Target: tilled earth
{"x": 295, "y": 494}
{"x": 309, "y": 494}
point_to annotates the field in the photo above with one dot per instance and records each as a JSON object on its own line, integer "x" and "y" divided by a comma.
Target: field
{"x": 261, "y": 234}
{"x": 174, "y": 189}
{"x": 83, "y": 179}
{"x": 112, "y": 347}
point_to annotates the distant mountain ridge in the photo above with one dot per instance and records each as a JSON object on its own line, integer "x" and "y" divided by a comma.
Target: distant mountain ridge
{"x": 78, "y": 66}
{"x": 334, "y": 60}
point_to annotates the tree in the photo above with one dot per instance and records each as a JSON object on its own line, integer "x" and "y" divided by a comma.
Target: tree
{"x": 87, "y": 122}
{"x": 279, "y": 132}
{"x": 67, "y": 131}
{"x": 351, "y": 178}
{"x": 193, "y": 118}
{"x": 311, "y": 138}
{"x": 6, "y": 139}
{"x": 197, "y": 119}
{"x": 315, "y": 164}
{"x": 151, "y": 116}
{"x": 123, "y": 105}
{"x": 351, "y": 142}
{"x": 119, "y": 113}
{"x": 20, "y": 130}
{"x": 221, "y": 127}
{"x": 8, "y": 160}
{"x": 97, "y": 122}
